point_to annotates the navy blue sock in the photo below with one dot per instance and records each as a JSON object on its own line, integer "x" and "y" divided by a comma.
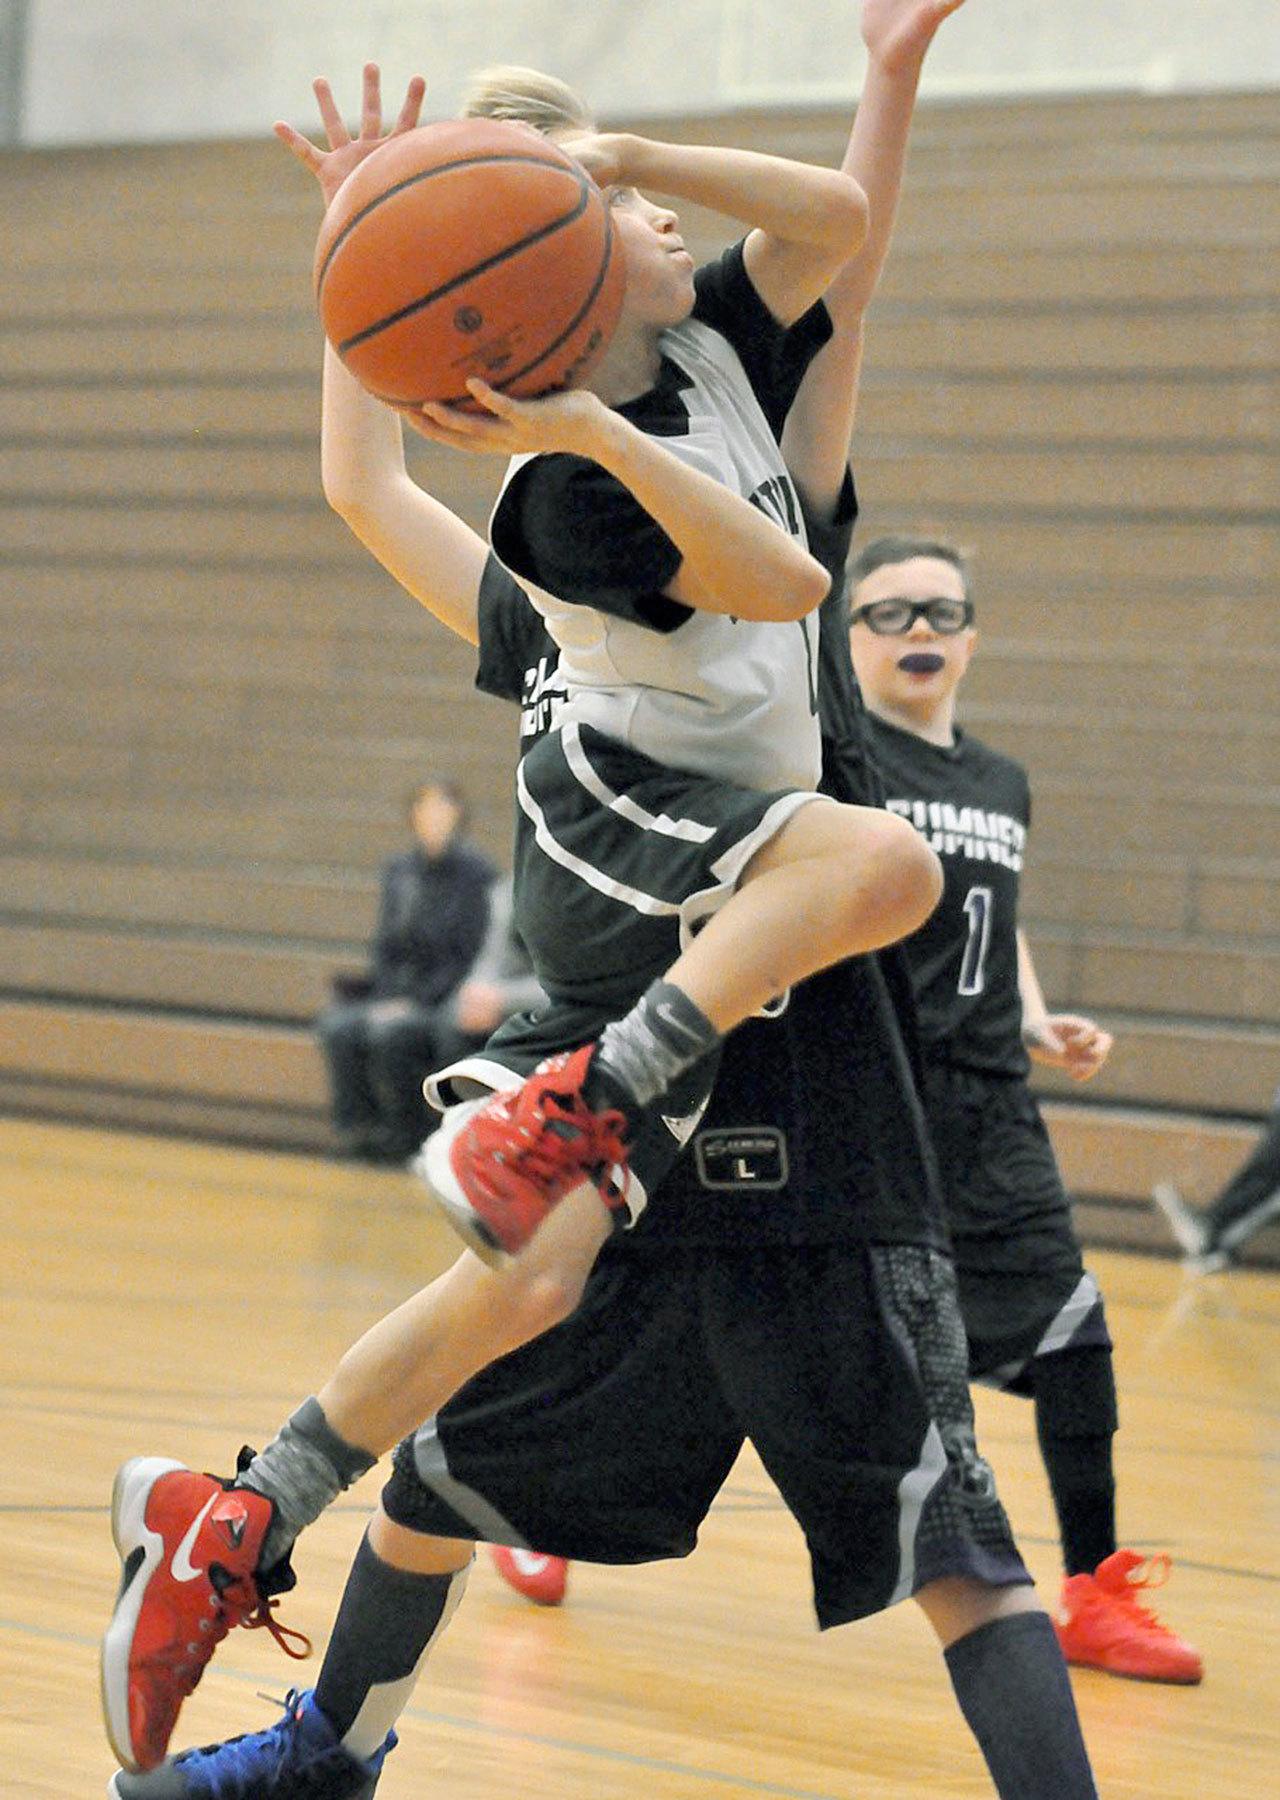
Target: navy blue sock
{"x": 386, "y": 1623}
{"x": 1014, "y": 1692}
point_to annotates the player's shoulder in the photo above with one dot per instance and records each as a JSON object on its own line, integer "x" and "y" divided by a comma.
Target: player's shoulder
{"x": 981, "y": 754}
{"x": 992, "y": 765}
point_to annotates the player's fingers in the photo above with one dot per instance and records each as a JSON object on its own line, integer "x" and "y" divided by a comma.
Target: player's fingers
{"x": 465, "y": 431}
{"x": 412, "y": 108}
{"x": 332, "y": 120}
{"x": 371, "y": 102}
{"x": 501, "y": 404}
{"x": 301, "y": 147}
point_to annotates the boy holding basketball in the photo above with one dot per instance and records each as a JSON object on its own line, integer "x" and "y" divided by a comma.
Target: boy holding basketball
{"x": 1021, "y": 1727}
{"x": 672, "y": 853}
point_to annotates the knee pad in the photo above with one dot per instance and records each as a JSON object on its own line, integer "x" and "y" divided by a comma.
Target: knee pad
{"x": 1075, "y": 1392}
{"x": 404, "y": 1498}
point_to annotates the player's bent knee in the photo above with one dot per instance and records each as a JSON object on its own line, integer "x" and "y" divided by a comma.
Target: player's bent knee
{"x": 893, "y": 865}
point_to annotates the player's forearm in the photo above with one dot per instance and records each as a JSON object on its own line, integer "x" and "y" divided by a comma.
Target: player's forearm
{"x": 1034, "y": 1008}
{"x": 432, "y": 553}
{"x": 799, "y": 202}
{"x": 875, "y": 157}
{"x": 361, "y": 439}
{"x": 735, "y": 559}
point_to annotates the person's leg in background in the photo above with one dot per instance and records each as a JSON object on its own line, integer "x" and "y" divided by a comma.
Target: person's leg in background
{"x": 343, "y": 1030}
{"x": 403, "y": 1049}
{"x": 1211, "y": 1237}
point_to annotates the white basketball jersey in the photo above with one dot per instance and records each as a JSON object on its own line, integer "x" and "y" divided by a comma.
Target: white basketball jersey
{"x": 733, "y": 699}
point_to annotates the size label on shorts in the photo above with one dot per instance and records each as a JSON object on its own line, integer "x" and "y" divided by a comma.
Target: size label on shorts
{"x": 754, "y": 1156}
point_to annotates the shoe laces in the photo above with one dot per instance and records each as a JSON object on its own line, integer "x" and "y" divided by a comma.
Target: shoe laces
{"x": 295, "y": 1644}
{"x": 1143, "y": 1573}
{"x": 248, "y": 1764}
{"x": 550, "y": 1123}
{"x": 237, "y": 1603}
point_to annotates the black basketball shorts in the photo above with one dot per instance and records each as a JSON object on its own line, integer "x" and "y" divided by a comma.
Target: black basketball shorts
{"x": 620, "y": 860}
{"x": 1024, "y": 1289}
{"x": 608, "y": 1439}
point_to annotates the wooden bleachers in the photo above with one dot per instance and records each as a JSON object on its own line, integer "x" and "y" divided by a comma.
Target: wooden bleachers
{"x": 213, "y": 703}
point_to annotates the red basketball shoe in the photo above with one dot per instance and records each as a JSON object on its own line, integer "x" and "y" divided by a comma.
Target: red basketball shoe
{"x": 1102, "y": 1625}
{"x": 189, "y": 1545}
{"x": 542, "y": 1579}
{"x": 497, "y": 1167}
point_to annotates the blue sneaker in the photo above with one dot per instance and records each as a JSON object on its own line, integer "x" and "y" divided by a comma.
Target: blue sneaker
{"x": 299, "y": 1757}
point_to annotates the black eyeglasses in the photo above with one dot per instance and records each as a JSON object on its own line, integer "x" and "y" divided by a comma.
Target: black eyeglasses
{"x": 893, "y": 618}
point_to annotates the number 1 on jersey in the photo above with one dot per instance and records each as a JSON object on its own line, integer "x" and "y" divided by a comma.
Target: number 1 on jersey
{"x": 978, "y": 903}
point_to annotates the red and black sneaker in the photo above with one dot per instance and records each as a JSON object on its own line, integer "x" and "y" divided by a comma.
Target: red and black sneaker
{"x": 189, "y": 1545}
{"x": 542, "y": 1579}
{"x": 497, "y": 1167}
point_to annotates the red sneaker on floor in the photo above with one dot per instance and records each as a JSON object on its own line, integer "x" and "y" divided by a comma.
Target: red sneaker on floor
{"x": 542, "y": 1579}
{"x": 497, "y": 1167}
{"x": 1102, "y": 1625}
{"x": 189, "y": 1545}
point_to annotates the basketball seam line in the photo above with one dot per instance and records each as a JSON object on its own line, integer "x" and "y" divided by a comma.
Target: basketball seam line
{"x": 568, "y": 331}
{"x": 470, "y": 274}
{"x": 460, "y": 162}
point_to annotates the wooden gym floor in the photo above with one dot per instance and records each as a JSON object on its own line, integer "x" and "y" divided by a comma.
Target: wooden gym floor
{"x": 178, "y": 1298}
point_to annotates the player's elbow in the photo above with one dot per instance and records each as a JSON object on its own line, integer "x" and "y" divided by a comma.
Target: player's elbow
{"x": 845, "y": 215}
{"x": 802, "y": 586}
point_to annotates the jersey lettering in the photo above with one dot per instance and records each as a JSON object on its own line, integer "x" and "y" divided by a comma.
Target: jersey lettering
{"x": 979, "y": 904}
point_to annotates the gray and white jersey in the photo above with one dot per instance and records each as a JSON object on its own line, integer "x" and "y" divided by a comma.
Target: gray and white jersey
{"x": 730, "y": 698}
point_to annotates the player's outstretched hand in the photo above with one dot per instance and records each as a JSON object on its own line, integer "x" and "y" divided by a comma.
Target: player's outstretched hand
{"x": 572, "y": 421}
{"x": 1066, "y": 1041}
{"x": 332, "y": 166}
{"x": 898, "y": 32}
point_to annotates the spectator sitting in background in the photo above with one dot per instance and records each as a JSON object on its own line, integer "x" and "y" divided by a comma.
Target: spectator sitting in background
{"x": 1212, "y": 1238}
{"x": 380, "y": 1033}
{"x": 499, "y": 983}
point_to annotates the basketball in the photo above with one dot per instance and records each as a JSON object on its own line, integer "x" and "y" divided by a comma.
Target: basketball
{"x": 468, "y": 247}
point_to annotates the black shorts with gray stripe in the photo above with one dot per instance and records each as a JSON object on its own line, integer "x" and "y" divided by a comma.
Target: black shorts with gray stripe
{"x": 619, "y": 860}
{"x": 1024, "y": 1289}
{"x": 608, "y": 1439}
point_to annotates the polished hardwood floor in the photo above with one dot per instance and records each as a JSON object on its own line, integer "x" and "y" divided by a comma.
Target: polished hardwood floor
{"x": 178, "y": 1298}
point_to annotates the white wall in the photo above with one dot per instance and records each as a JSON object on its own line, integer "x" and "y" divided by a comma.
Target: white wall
{"x": 119, "y": 70}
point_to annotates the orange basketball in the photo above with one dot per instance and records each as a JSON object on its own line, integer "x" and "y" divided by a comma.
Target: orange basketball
{"x": 470, "y": 247}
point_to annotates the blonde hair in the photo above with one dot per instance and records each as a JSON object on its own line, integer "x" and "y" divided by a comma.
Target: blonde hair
{"x": 526, "y": 97}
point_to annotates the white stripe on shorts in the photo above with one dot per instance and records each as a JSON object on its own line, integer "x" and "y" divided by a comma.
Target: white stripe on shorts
{"x": 635, "y": 898}
{"x": 687, "y": 830}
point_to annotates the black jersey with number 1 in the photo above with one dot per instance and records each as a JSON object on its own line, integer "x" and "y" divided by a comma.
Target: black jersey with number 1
{"x": 973, "y": 805}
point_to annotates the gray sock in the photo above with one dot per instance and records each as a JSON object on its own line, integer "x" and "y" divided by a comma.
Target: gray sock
{"x": 642, "y": 1054}
{"x": 302, "y": 1470}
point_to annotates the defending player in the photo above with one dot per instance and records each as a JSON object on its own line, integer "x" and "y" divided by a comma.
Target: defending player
{"x": 1033, "y": 1314}
{"x": 995, "y": 1637}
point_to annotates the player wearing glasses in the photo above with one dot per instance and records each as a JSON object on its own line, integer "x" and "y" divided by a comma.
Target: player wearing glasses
{"x": 1032, "y": 1312}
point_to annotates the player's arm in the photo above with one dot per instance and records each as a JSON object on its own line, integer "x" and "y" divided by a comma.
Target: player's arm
{"x": 805, "y": 221}
{"x": 1059, "y": 1040}
{"x": 431, "y": 553}
{"x": 732, "y": 557}
{"x": 815, "y": 442}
